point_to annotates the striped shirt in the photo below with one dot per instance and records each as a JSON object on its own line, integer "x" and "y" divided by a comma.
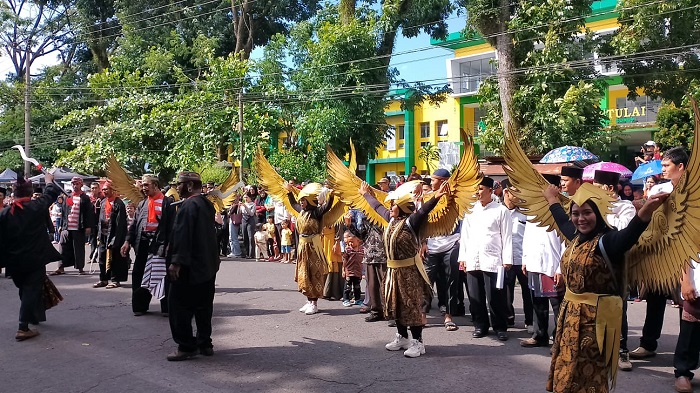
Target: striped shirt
{"x": 74, "y": 214}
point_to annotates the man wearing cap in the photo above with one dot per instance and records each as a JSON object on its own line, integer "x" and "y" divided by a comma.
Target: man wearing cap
{"x": 77, "y": 221}
{"x": 441, "y": 263}
{"x": 384, "y": 184}
{"x": 111, "y": 233}
{"x": 571, "y": 179}
{"x": 486, "y": 246}
{"x": 194, "y": 261}
{"x": 542, "y": 251}
{"x": 149, "y": 234}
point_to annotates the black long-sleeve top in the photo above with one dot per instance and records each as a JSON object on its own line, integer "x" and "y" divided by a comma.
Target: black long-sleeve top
{"x": 616, "y": 242}
{"x": 415, "y": 220}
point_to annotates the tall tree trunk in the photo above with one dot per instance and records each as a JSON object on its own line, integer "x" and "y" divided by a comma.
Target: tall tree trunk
{"x": 506, "y": 67}
{"x": 243, "y": 26}
{"x": 347, "y": 11}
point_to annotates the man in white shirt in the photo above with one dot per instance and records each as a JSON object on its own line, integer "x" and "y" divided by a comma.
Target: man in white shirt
{"x": 518, "y": 220}
{"x": 541, "y": 256}
{"x": 485, "y": 248}
{"x": 441, "y": 263}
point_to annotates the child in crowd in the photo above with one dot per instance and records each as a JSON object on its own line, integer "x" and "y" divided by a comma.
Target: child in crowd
{"x": 352, "y": 268}
{"x": 260, "y": 243}
{"x": 286, "y": 240}
{"x": 273, "y": 249}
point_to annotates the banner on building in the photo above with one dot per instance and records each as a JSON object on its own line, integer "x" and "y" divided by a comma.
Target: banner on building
{"x": 449, "y": 154}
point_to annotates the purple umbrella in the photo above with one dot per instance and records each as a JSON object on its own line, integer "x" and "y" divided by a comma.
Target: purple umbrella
{"x": 589, "y": 171}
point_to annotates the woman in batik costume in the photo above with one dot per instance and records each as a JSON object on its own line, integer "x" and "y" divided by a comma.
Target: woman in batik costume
{"x": 586, "y": 349}
{"x": 406, "y": 280}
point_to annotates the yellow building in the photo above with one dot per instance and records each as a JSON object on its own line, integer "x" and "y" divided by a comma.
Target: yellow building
{"x": 466, "y": 71}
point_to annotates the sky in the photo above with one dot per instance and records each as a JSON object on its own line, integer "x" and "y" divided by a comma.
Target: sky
{"x": 415, "y": 59}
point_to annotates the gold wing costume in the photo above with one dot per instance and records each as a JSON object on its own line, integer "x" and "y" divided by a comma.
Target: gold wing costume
{"x": 442, "y": 220}
{"x": 668, "y": 244}
{"x": 224, "y": 194}
{"x": 124, "y": 184}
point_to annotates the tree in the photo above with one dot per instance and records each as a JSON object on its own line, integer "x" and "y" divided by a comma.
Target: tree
{"x": 32, "y": 29}
{"x": 534, "y": 82}
{"x": 676, "y": 124}
{"x": 658, "y": 40}
{"x": 429, "y": 153}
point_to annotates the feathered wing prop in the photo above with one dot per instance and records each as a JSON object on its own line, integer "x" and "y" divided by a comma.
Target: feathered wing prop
{"x": 224, "y": 194}
{"x": 337, "y": 212}
{"x": 346, "y": 186}
{"x": 273, "y": 182}
{"x": 672, "y": 238}
{"x": 464, "y": 183}
{"x": 529, "y": 184}
{"x": 122, "y": 182}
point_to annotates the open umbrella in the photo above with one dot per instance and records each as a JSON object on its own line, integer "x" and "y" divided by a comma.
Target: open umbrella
{"x": 567, "y": 154}
{"x": 589, "y": 171}
{"x": 645, "y": 170}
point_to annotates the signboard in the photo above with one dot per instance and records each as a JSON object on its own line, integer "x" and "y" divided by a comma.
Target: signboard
{"x": 449, "y": 154}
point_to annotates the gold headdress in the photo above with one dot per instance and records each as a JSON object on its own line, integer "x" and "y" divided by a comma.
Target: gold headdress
{"x": 403, "y": 196}
{"x": 596, "y": 195}
{"x": 310, "y": 192}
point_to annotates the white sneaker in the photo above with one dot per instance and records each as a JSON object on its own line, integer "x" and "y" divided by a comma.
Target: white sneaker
{"x": 400, "y": 342}
{"x": 306, "y": 306}
{"x": 530, "y": 329}
{"x": 311, "y": 309}
{"x": 416, "y": 349}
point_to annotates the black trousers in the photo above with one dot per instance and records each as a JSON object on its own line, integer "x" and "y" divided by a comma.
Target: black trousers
{"x": 486, "y": 300}
{"x": 685, "y": 359}
{"x": 443, "y": 270}
{"x": 516, "y": 273}
{"x": 73, "y": 249}
{"x": 376, "y": 273}
{"x": 248, "y": 230}
{"x": 540, "y": 305}
{"x": 352, "y": 285}
{"x": 141, "y": 297}
{"x": 461, "y": 291}
{"x": 31, "y": 295}
{"x": 654, "y": 320}
{"x": 185, "y": 302}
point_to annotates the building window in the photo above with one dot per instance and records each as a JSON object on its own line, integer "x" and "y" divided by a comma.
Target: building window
{"x": 479, "y": 124}
{"x": 423, "y": 144}
{"x": 401, "y": 132}
{"x": 474, "y": 72}
{"x": 441, "y": 127}
{"x": 425, "y": 130}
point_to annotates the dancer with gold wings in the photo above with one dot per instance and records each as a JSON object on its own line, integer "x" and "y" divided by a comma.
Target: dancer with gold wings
{"x": 655, "y": 248}
{"x": 406, "y": 281}
{"x": 312, "y": 267}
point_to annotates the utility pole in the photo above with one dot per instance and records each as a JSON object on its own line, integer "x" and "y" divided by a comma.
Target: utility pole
{"x": 27, "y": 110}
{"x": 240, "y": 130}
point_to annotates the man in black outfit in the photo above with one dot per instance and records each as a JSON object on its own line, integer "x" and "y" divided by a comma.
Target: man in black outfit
{"x": 26, "y": 249}
{"x": 194, "y": 261}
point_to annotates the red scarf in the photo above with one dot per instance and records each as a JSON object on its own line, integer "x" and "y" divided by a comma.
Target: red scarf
{"x": 18, "y": 202}
{"x": 152, "y": 214}
{"x": 108, "y": 207}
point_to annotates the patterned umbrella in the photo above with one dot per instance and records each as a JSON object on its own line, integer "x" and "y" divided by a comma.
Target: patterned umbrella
{"x": 567, "y": 154}
{"x": 589, "y": 171}
{"x": 645, "y": 170}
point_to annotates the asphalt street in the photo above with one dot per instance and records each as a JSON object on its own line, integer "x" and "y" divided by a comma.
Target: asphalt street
{"x": 91, "y": 342}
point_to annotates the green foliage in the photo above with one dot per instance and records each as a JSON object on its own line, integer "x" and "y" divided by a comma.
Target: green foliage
{"x": 303, "y": 166}
{"x": 551, "y": 102}
{"x": 429, "y": 154}
{"x": 656, "y": 39}
{"x": 676, "y": 127}
{"x": 216, "y": 172}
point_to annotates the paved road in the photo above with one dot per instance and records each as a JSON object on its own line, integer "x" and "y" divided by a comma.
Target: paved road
{"x": 92, "y": 343}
